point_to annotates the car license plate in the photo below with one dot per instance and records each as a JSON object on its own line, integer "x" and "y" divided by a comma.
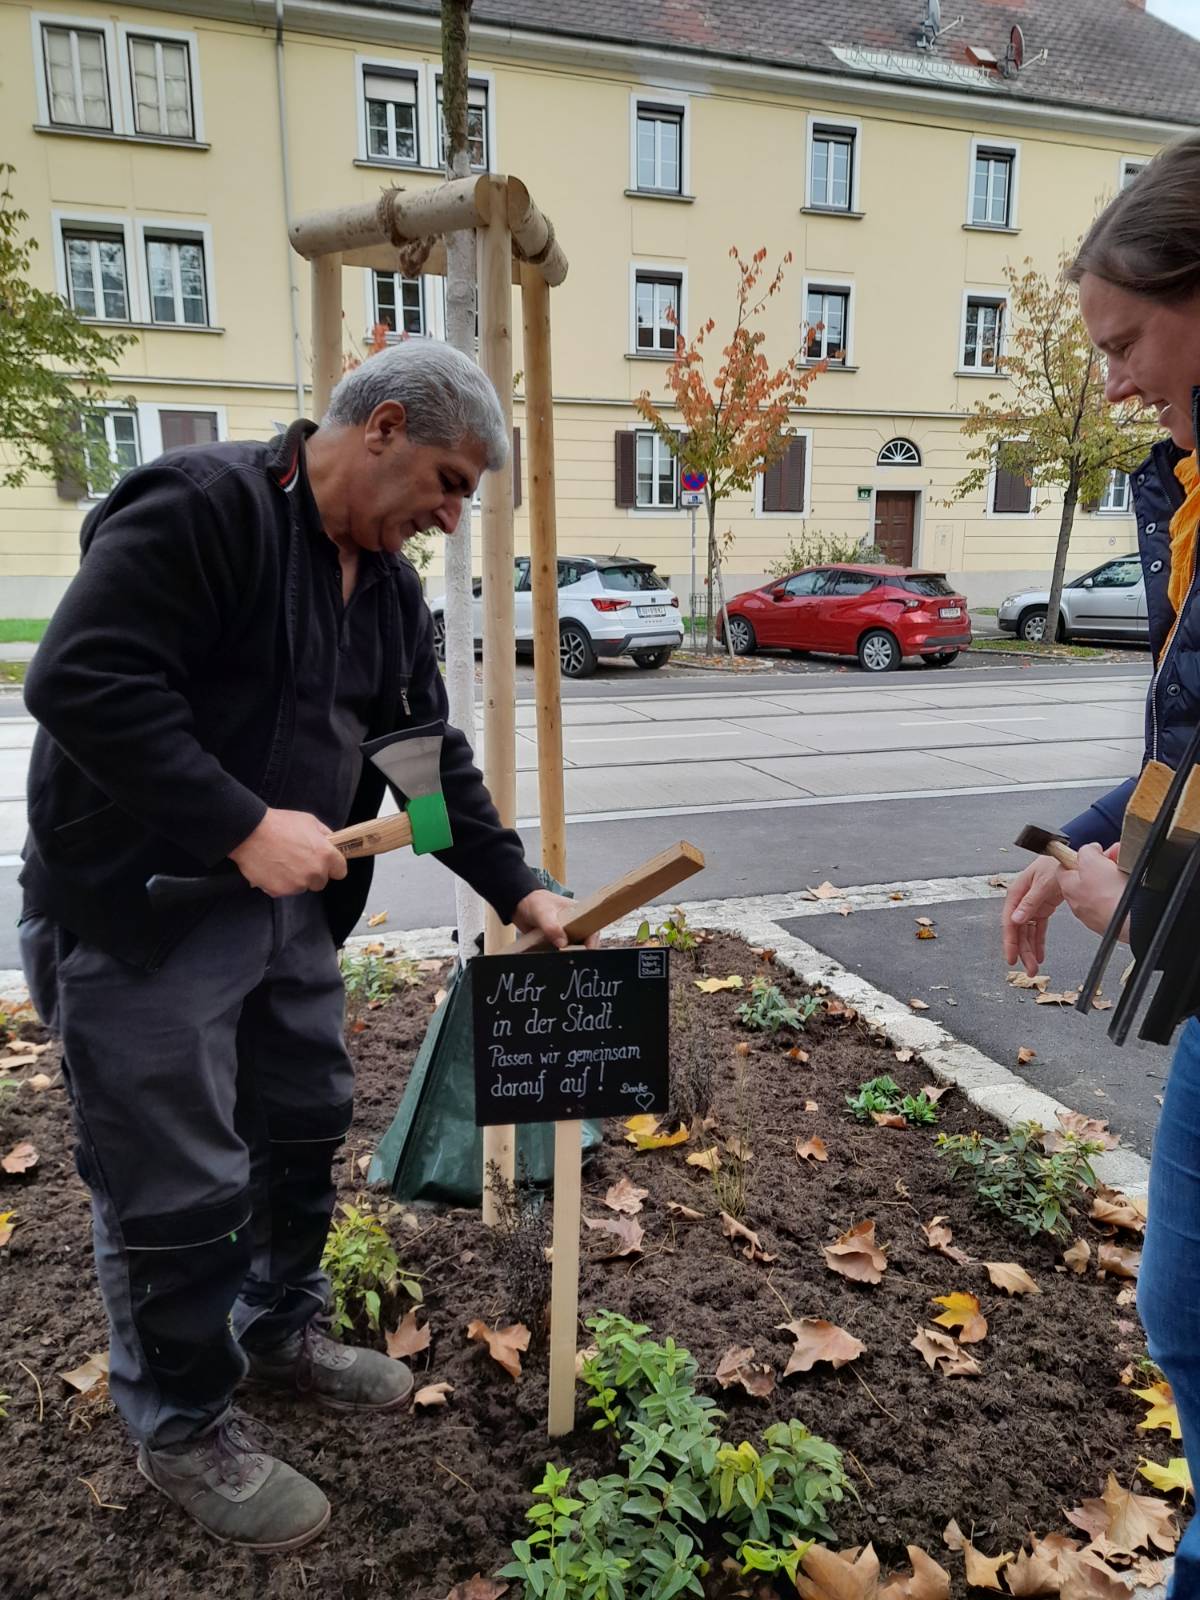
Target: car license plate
{"x": 950, "y": 611}
{"x": 652, "y": 611}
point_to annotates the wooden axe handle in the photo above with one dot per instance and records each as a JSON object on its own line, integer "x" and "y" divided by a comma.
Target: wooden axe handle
{"x": 616, "y": 899}
{"x": 374, "y": 838}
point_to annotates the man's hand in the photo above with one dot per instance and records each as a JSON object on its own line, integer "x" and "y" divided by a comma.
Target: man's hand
{"x": 1093, "y": 888}
{"x": 288, "y": 853}
{"x": 1033, "y": 897}
{"x": 545, "y": 913}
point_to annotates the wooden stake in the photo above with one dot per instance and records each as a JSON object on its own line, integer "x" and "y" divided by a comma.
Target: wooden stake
{"x": 543, "y": 546}
{"x": 564, "y": 1283}
{"x": 499, "y": 658}
{"x": 625, "y": 894}
{"x": 326, "y": 329}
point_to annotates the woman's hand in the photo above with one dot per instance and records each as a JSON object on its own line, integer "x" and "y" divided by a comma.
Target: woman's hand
{"x": 1093, "y": 888}
{"x": 1033, "y": 897}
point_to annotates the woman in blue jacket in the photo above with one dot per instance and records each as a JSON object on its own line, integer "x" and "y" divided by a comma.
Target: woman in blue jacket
{"x": 1138, "y": 272}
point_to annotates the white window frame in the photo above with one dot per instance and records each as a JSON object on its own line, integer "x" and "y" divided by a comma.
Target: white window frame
{"x": 826, "y": 280}
{"x": 54, "y": 19}
{"x": 427, "y": 298}
{"x": 1005, "y": 147}
{"x": 651, "y": 511}
{"x": 649, "y": 96}
{"x": 1140, "y": 162}
{"x": 783, "y": 516}
{"x": 656, "y": 269}
{"x": 107, "y": 409}
{"x": 996, "y": 297}
{"x": 151, "y": 426}
{"x": 405, "y": 67}
{"x": 1103, "y": 510}
{"x": 109, "y": 222}
{"x": 130, "y": 268}
{"x": 128, "y": 30}
{"x": 179, "y": 232}
{"x": 852, "y": 126}
{"x": 1008, "y": 516}
{"x": 433, "y": 115}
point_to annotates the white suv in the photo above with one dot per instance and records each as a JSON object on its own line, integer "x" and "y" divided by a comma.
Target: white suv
{"x": 607, "y": 606}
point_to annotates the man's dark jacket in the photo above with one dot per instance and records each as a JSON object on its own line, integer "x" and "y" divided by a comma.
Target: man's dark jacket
{"x": 165, "y": 690}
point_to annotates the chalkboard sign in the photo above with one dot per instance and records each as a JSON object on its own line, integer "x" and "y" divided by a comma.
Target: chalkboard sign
{"x": 570, "y": 1034}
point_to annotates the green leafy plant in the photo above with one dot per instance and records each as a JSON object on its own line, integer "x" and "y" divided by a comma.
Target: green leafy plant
{"x": 672, "y": 932}
{"x": 1033, "y": 1188}
{"x": 372, "y": 978}
{"x": 640, "y": 1533}
{"x": 363, "y": 1267}
{"x": 3, "y": 1412}
{"x": 769, "y": 1009}
{"x": 918, "y": 1108}
{"x": 817, "y": 549}
{"x": 884, "y": 1095}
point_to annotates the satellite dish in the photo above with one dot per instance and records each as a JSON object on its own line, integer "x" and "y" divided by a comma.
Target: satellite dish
{"x": 1016, "y": 47}
{"x": 935, "y": 15}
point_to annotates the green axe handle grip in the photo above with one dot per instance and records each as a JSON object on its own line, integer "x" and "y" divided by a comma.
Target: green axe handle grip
{"x": 430, "y": 823}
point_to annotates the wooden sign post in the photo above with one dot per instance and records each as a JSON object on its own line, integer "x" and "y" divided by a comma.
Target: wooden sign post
{"x": 560, "y": 1037}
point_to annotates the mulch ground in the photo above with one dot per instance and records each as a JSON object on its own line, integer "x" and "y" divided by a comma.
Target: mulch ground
{"x": 424, "y": 1501}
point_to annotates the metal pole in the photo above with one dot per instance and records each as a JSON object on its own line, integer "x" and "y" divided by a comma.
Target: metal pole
{"x": 692, "y": 598}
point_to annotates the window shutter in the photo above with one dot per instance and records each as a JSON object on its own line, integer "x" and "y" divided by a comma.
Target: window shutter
{"x": 180, "y": 428}
{"x": 626, "y": 467}
{"x": 772, "y": 489}
{"x": 793, "y": 476}
{"x": 68, "y": 485}
{"x": 516, "y": 467}
{"x": 1012, "y": 494}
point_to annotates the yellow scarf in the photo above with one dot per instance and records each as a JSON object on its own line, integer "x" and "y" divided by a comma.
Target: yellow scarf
{"x": 1185, "y": 525}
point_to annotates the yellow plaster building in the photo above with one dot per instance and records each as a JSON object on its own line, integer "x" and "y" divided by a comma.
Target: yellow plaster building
{"x": 158, "y": 149}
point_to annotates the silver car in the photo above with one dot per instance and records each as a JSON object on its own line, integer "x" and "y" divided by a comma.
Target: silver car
{"x": 1108, "y": 602}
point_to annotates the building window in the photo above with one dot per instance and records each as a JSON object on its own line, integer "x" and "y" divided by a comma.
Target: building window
{"x": 1012, "y": 492}
{"x": 97, "y": 279}
{"x": 657, "y": 474}
{"x": 161, "y": 81}
{"x": 76, "y": 64}
{"x": 115, "y": 434}
{"x": 175, "y": 273}
{"x": 660, "y": 148}
{"x": 1116, "y": 493}
{"x": 477, "y": 125}
{"x": 831, "y": 174}
{"x": 399, "y": 303}
{"x": 899, "y": 453}
{"x": 657, "y": 311}
{"x": 827, "y": 321}
{"x": 391, "y": 112}
{"x": 983, "y": 335}
{"x": 991, "y": 188}
{"x": 181, "y": 428}
{"x": 784, "y": 484}
{"x": 1130, "y": 169}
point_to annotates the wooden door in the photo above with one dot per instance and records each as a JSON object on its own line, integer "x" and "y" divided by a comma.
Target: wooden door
{"x": 895, "y": 516}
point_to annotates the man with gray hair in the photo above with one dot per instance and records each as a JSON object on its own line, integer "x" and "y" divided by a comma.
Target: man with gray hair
{"x": 243, "y": 619}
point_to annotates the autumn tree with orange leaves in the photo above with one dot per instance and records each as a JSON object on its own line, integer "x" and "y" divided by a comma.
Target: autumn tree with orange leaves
{"x": 736, "y": 426}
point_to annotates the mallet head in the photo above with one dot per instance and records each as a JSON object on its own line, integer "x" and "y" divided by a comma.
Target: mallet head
{"x": 1042, "y": 842}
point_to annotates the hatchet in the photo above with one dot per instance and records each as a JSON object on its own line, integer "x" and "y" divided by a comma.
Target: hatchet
{"x": 411, "y": 760}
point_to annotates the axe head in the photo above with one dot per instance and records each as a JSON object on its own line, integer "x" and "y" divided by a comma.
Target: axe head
{"x": 1035, "y": 839}
{"x": 411, "y": 761}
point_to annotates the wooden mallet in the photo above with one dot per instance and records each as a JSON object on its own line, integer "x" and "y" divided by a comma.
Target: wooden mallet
{"x": 1041, "y": 842}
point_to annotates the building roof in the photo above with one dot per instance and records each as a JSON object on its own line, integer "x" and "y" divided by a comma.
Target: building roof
{"x": 1104, "y": 55}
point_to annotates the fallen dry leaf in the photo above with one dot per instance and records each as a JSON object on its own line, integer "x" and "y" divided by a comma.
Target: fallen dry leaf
{"x": 796, "y": 1054}
{"x": 7, "y": 1224}
{"x": 944, "y": 1355}
{"x": 888, "y": 1119}
{"x": 1119, "y": 1263}
{"x": 926, "y": 933}
{"x": 478, "y": 1588}
{"x": 1080, "y": 1574}
{"x": 962, "y": 1312}
{"x": 898, "y": 894}
{"x": 938, "y": 1237}
{"x": 983, "y": 1572}
{"x": 856, "y": 1255}
{"x": 1163, "y": 1412}
{"x": 928, "y": 1581}
{"x": 24, "y": 1047}
{"x": 715, "y": 985}
{"x": 1101, "y": 1005}
{"x": 839, "y": 1009}
{"x": 625, "y": 1196}
{"x": 408, "y": 1340}
{"x": 39, "y": 1083}
{"x": 433, "y": 1394}
{"x": 811, "y": 1105}
{"x": 1025, "y": 1055}
{"x": 628, "y": 1233}
{"x": 504, "y": 1344}
{"x": 642, "y": 1132}
{"x": 86, "y": 1376}
{"x": 1007, "y": 1275}
{"x": 733, "y": 1229}
{"x": 378, "y": 920}
{"x": 1150, "y": 1574}
{"x": 812, "y": 1149}
{"x": 686, "y": 1212}
{"x": 825, "y": 1574}
{"x": 1119, "y": 1211}
{"x": 935, "y": 1091}
{"x": 738, "y": 1365}
{"x": 924, "y": 922}
{"x": 904, "y": 1055}
{"x": 21, "y": 1158}
{"x": 1175, "y": 1475}
{"x": 739, "y": 1149}
{"x": 1021, "y": 980}
{"x": 708, "y": 1160}
{"x": 997, "y": 883}
{"x": 953, "y": 1536}
{"x": 1126, "y": 1521}
{"x": 1089, "y": 1128}
{"x": 823, "y": 891}
{"x": 1029, "y": 1575}
{"x": 818, "y": 1340}
{"x": 1127, "y": 1296}
{"x": 1055, "y": 997}
{"x": 1077, "y": 1256}
{"x": 919, "y": 1005}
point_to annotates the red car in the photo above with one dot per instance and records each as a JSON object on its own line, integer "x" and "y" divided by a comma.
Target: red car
{"x": 878, "y": 614}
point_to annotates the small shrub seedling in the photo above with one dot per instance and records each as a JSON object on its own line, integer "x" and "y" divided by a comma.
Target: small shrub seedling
{"x": 371, "y": 979}
{"x": 520, "y": 1239}
{"x": 884, "y": 1095}
{"x": 363, "y": 1266}
{"x": 673, "y": 932}
{"x": 1032, "y": 1188}
{"x": 769, "y": 1009}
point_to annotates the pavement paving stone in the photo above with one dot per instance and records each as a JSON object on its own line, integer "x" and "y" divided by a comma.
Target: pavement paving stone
{"x": 875, "y": 772}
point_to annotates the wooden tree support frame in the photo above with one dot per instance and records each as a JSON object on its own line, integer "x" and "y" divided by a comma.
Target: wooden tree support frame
{"x": 404, "y": 231}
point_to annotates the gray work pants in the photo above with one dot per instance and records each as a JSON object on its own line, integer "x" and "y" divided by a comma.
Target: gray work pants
{"x": 209, "y": 1098}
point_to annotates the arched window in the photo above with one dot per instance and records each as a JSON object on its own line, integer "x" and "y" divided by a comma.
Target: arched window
{"x": 899, "y": 453}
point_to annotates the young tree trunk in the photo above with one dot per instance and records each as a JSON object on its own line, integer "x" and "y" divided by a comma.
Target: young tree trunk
{"x": 710, "y": 505}
{"x": 460, "y": 332}
{"x": 1066, "y": 522}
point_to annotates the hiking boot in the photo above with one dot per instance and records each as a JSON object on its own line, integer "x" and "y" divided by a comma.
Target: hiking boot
{"x": 235, "y": 1491}
{"x": 340, "y": 1377}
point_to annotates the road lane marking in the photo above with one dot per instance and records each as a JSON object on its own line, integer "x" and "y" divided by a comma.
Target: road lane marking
{"x": 953, "y": 722}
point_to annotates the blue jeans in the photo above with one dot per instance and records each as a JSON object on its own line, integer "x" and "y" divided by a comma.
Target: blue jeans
{"x": 1169, "y": 1281}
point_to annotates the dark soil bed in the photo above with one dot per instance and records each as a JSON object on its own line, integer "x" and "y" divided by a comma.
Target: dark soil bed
{"x": 426, "y": 1500}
